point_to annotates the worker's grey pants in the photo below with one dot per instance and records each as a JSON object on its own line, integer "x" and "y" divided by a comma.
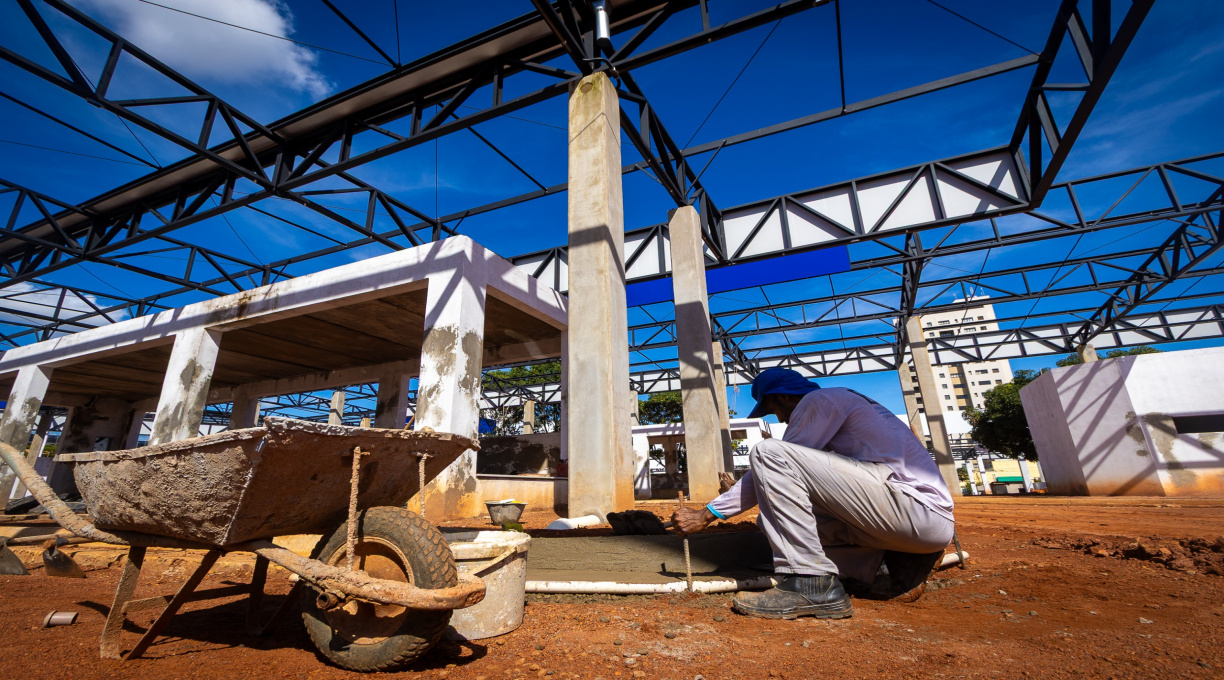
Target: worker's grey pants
{"x": 824, "y": 513}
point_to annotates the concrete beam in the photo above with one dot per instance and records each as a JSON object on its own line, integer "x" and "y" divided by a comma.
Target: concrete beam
{"x": 698, "y": 391}
{"x": 596, "y": 359}
{"x": 940, "y": 445}
{"x": 20, "y": 416}
{"x": 1087, "y": 353}
{"x": 448, "y": 388}
{"x": 180, "y": 408}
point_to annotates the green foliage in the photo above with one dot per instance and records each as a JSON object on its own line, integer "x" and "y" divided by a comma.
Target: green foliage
{"x": 659, "y": 408}
{"x": 510, "y": 420}
{"x": 1073, "y": 359}
{"x": 1000, "y": 424}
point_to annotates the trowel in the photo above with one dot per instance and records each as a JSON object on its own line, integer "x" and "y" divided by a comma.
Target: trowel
{"x": 10, "y": 564}
{"x": 58, "y": 563}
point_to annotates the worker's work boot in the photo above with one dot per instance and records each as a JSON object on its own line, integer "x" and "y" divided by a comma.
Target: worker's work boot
{"x": 820, "y": 596}
{"x": 908, "y": 573}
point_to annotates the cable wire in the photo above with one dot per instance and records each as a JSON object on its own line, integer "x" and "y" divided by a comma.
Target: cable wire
{"x": 733, "y": 82}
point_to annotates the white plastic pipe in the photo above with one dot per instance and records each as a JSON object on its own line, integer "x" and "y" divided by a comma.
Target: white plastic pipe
{"x": 951, "y": 559}
{"x": 575, "y": 522}
{"x": 615, "y": 588}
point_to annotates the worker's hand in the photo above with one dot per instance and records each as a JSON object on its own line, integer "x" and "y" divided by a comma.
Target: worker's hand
{"x": 691, "y": 520}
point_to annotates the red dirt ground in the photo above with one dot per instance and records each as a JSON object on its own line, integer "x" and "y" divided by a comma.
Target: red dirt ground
{"x": 1056, "y": 588}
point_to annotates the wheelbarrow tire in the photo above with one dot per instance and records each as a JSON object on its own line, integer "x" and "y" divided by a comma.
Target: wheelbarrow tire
{"x": 429, "y": 558}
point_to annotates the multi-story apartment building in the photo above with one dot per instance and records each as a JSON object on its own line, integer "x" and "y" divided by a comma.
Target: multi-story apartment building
{"x": 960, "y": 385}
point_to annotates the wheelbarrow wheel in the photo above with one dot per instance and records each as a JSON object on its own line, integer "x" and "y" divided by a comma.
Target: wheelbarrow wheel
{"x": 394, "y": 544}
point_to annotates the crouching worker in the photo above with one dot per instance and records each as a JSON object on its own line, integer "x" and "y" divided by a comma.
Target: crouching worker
{"x": 848, "y": 487}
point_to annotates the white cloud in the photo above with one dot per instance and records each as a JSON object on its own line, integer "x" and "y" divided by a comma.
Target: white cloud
{"x": 208, "y": 50}
{"x": 24, "y": 303}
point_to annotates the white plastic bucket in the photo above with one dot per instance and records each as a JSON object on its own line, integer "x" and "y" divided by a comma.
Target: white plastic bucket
{"x": 500, "y": 558}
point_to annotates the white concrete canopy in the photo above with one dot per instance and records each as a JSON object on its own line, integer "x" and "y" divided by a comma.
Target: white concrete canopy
{"x": 361, "y": 322}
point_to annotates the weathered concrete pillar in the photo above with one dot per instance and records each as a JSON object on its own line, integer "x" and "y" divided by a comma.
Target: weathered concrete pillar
{"x": 180, "y": 408}
{"x": 940, "y": 445}
{"x": 448, "y": 389}
{"x": 136, "y": 426}
{"x": 365, "y": 422}
{"x": 596, "y": 358}
{"x": 102, "y": 424}
{"x": 528, "y": 417}
{"x": 1087, "y": 353}
{"x": 1025, "y": 476}
{"x": 20, "y": 415}
{"x": 724, "y": 414}
{"x": 335, "y": 414}
{"x": 245, "y": 410}
{"x": 973, "y": 487}
{"x": 913, "y": 417}
{"x": 698, "y": 392}
{"x": 391, "y": 405}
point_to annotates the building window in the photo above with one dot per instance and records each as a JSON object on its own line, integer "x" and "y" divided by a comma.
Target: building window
{"x": 941, "y": 375}
{"x": 994, "y": 370}
{"x": 928, "y": 324}
{"x": 946, "y": 334}
{"x": 981, "y": 318}
{"x": 947, "y": 397}
{"x": 980, "y": 371}
{"x": 944, "y": 385}
{"x": 984, "y": 382}
{"x": 931, "y": 334}
{"x": 951, "y": 409}
{"x": 998, "y": 382}
{"x": 944, "y": 323}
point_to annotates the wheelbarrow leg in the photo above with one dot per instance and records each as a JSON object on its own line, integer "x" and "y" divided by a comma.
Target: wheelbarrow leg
{"x": 258, "y": 578}
{"x": 182, "y": 596}
{"x": 109, "y": 647}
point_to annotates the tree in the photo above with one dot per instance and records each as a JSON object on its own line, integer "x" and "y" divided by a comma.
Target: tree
{"x": 1000, "y": 424}
{"x": 510, "y": 420}
{"x": 1073, "y": 359}
{"x": 661, "y": 407}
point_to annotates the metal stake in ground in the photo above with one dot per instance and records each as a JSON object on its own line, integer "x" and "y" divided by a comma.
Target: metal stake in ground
{"x": 688, "y": 561}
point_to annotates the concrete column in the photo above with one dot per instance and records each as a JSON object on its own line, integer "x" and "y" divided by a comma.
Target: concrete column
{"x": 335, "y": 415}
{"x": 596, "y": 359}
{"x": 20, "y": 416}
{"x": 529, "y": 417}
{"x": 103, "y": 422}
{"x": 724, "y": 414}
{"x": 136, "y": 425}
{"x": 973, "y": 487}
{"x": 180, "y": 408}
{"x": 365, "y": 422}
{"x": 245, "y": 410}
{"x": 913, "y": 417}
{"x": 1025, "y": 475}
{"x": 1087, "y": 353}
{"x": 448, "y": 389}
{"x": 698, "y": 392}
{"x": 391, "y": 406}
{"x": 934, "y": 408}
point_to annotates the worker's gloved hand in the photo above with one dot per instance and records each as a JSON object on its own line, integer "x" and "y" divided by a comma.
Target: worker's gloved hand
{"x": 691, "y": 520}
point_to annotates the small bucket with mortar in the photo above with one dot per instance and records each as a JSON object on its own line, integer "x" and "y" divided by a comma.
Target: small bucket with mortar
{"x": 501, "y": 512}
{"x": 499, "y": 558}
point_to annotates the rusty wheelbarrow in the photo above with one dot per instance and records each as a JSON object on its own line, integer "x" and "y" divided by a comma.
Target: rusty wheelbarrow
{"x": 379, "y": 588}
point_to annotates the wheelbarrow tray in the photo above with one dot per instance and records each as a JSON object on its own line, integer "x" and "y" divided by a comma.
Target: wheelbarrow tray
{"x": 286, "y": 477}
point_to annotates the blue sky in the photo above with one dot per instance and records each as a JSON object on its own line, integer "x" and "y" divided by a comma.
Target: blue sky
{"x": 1162, "y": 104}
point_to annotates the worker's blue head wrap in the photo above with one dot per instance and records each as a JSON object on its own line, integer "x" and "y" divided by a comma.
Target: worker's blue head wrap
{"x": 778, "y": 381}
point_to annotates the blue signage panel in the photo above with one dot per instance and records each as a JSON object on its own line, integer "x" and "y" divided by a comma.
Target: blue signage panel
{"x": 749, "y": 274}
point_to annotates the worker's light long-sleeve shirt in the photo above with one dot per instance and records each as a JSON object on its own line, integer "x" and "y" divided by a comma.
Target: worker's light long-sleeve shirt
{"x": 847, "y": 423}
